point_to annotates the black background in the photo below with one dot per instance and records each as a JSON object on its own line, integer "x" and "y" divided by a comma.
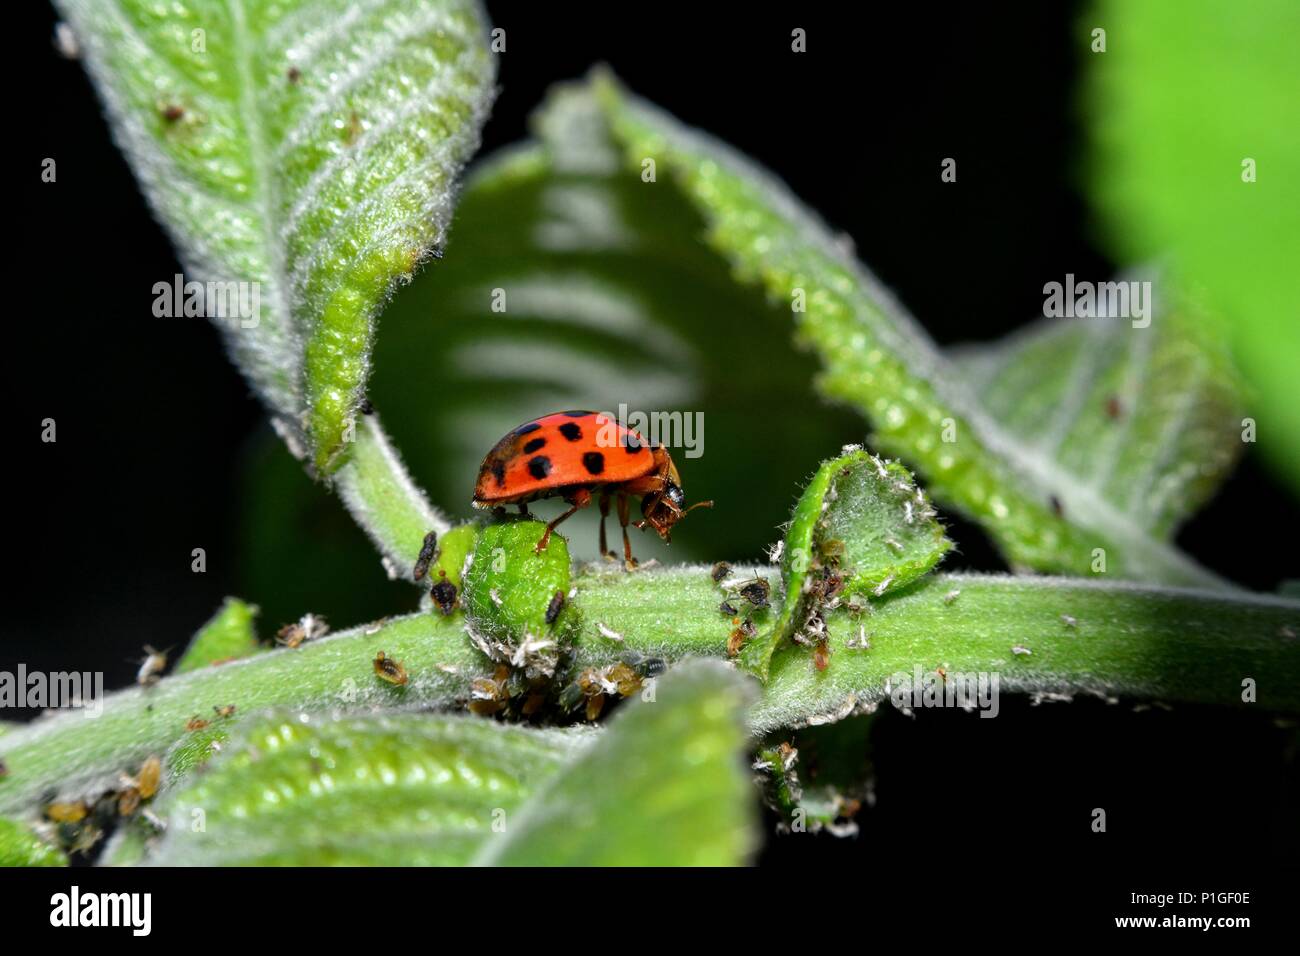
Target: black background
{"x": 153, "y": 422}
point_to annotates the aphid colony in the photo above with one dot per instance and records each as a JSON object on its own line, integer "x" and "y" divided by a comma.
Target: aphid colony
{"x": 79, "y": 825}
{"x": 755, "y": 594}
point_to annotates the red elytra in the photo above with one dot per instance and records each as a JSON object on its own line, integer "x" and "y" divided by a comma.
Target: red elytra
{"x": 572, "y": 455}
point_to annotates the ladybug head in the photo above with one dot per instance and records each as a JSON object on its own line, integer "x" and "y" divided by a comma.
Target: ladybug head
{"x": 663, "y": 509}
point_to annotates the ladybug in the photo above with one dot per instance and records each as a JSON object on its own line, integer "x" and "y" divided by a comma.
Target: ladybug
{"x": 572, "y": 455}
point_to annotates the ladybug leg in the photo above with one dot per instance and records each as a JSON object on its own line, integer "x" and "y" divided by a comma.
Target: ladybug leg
{"x": 604, "y": 513}
{"x": 579, "y": 499}
{"x": 628, "y": 561}
{"x": 523, "y": 507}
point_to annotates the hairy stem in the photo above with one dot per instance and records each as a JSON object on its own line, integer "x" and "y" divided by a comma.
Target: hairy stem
{"x": 384, "y": 500}
{"x": 1081, "y": 636}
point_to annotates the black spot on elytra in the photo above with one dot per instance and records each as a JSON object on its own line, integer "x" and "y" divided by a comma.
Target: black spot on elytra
{"x": 499, "y": 471}
{"x": 527, "y": 429}
{"x": 571, "y": 431}
{"x": 632, "y": 443}
{"x": 594, "y": 462}
{"x": 577, "y": 414}
{"x": 539, "y": 467}
{"x": 534, "y": 445}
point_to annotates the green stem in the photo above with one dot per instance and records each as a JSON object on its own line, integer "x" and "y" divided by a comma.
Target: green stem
{"x": 1089, "y": 637}
{"x": 381, "y": 496}
{"x": 1082, "y": 636}
{"x": 79, "y": 755}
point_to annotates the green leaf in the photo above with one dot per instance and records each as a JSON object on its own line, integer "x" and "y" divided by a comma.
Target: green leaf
{"x": 663, "y": 786}
{"x": 1145, "y": 422}
{"x": 510, "y": 590}
{"x": 879, "y": 360}
{"x": 392, "y": 791}
{"x": 1184, "y": 94}
{"x": 229, "y": 634}
{"x": 861, "y": 528}
{"x": 19, "y": 846}
{"x": 308, "y": 147}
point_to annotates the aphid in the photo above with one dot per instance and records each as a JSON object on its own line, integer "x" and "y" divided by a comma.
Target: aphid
{"x": 742, "y": 632}
{"x": 443, "y": 594}
{"x": 647, "y": 667}
{"x": 831, "y": 585}
{"x": 65, "y": 42}
{"x": 822, "y": 655}
{"x": 721, "y": 571}
{"x": 533, "y": 704}
{"x": 570, "y": 455}
{"x": 1069, "y": 621}
{"x": 425, "y": 557}
{"x": 951, "y": 596}
{"x": 553, "y": 609}
{"x": 1113, "y": 407}
{"x": 624, "y": 678}
{"x": 128, "y": 801}
{"x": 1058, "y": 509}
{"x": 831, "y": 550}
{"x": 171, "y": 112}
{"x": 490, "y": 694}
{"x": 353, "y": 130}
{"x": 71, "y": 812}
{"x": 860, "y": 643}
{"x": 294, "y": 74}
{"x": 196, "y": 723}
{"x": 306, "y": 628}
{"x": 291, "y": 635}
{"x": 151, "y": 668}
{"x": 757, "y": 592}
{"x": 150, "y": 774}
{"x": 727, "y": 608}
{"x": 228, "y": 710}
{"x": 390, "y": 670}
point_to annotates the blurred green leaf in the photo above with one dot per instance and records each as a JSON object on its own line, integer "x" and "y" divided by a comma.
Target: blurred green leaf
{"x": 664, "y": 785}
{"x": 393, "y": 791}
{"x": 310, "y": 147}
{"x": 1184, "y": 94}
{"x": 20, "y": 846}
{"x": 229, "y": 634}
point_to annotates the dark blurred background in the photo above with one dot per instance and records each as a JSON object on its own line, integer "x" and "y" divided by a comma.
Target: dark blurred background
{"x": 157, "y": 433}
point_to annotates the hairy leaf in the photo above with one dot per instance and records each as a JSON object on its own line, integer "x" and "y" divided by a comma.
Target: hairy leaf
{"x": 407, "y": 790}
{"x": 1136, "y": 418}
{"x": 861, "y": 529}
{"x": 663, "y": 786}
{"x": 306, "y": 149}
{"x": 878, "y": 359}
